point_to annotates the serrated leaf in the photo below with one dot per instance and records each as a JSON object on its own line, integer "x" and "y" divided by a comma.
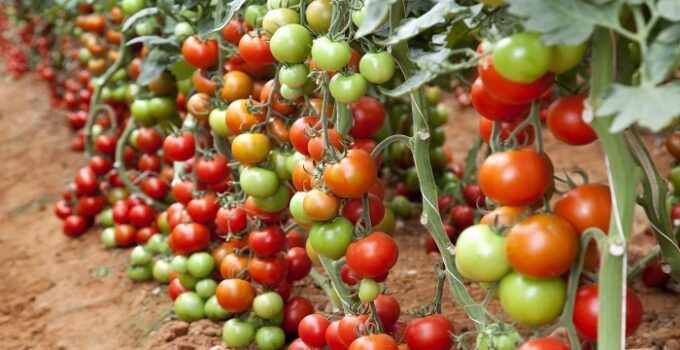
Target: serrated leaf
{"x": 669, "y": 9}
{"x": 376, "y": 12}
{"x": 149, "y": 11}
{"x": 231, "y": 8}
{"x": 153, "y": 40}
{"x": 565, "y": 21}
{"x": 661, "y": 60}
{"x": 438, "y": 14}
{"x": 154, "y": 64}
{"x": 649, "y": 106}
{"x": 670, "y": 34}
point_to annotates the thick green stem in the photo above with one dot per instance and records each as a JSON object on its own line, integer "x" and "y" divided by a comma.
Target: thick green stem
{"x": 325, "y": 284}
{"x": 623, "y": 182}
{"x": 430, "y": 214}
{"x": 95, "y": 100}
{"x": 336, "y": 281}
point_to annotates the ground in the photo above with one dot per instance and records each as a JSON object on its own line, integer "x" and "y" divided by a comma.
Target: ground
{"x": 62, "y": 293}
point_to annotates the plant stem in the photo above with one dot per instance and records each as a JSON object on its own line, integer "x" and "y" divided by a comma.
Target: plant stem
{"x": 430, "y": 214}
{"x": 612, "y": 282}
{"x": 325, "y": 284}
{"x": 337, "y": 283}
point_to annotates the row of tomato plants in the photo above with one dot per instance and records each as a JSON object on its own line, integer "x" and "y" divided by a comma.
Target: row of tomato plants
{"x": 216, "y": 152}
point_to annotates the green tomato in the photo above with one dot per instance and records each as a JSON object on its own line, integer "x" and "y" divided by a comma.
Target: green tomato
{"x": 116, "y": 194}
{"x": 277, "y": 4}
{"x": 238, "y": 334}
{"x": 377, "y": 67}
{"x": 162, "y": 107}
{"x": 162, "y": 222}
{"x": 296, "y": 209}
{"x": 277, "y": 18}
{"x": 486, "y": 286}
{"x": 348, "y": 88}
{"x": 480, "y": 254}
{"x": 330, "y": 56}
{"x": 522, "y": 57}
{"x": 185, "y": 85}
{"x": 278, "y": 160}
{"x": 161, "y": 271}
{"x": 498, "y": 337}
{"x": 268, "y": 305}
{"x": 294, "y": 76}
{"x": 433, "y": 94}
{"x": 566, "y": 57}
{"x": 108, "y": 237}
{"x": 259, "y": 182}
{"x": 118, "y": 94}
{"x": 218, "y": 122}
{"x": 291, "y": 93}
{"x": 675, "y": 179}
{"x": 188, "y": 281}
{"x": 205, "y": 288}
{"x": 276, "y": 202}
{"x": 388, "y": 224}
{"x": 130, "y": 7}
{"x": 141, "y": 111}
{"x": 97, "y": 130}
{"x": 183, "y": 30}
{"x": 200, "y": 265}
{"x": 189, "y": 307}
{"x": 140, "y": 256}
{"x": 179, "y": 264}
{"x": 331, "y": 239}
{"x": 160, "y": 243}
{"x": 318, "y": 15}
{"x": 132, "y": 91}
{"x": 437, "y": 136}
{"x": 293, "y": 160}
{"x": 401, "y": 206}
{"x": 106, "y": 93}
{"x": 438, "y": 115}
{"x": 106, "y": 217}
{"x": 139, "y": 273}
{"x": 412, "y": 182}
{"x": 146, "y": 26}
{"x": 214, "y": 311}
{"x": 270, "y": 338}
{"x": 84, "y": 55}
{"x": 521, "y": 295}
{"x": 438, "y": 159}
{"x": 447, "y": 179}
{"x": 291, "y": 44}
{"x": 368, "y": 290}
{"x": 254, "y": 15}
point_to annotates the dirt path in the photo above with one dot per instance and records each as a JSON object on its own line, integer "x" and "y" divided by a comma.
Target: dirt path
{"x": 61, "y": 293}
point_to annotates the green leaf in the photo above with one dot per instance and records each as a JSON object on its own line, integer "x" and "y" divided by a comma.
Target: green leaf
{"x": 154, "y": 64}
{"x": 669, "y": 9}
{"x": 661, "y": 60}
{"x": 438, "y": 14}
{"x": 153, "y": 40}
{"x": 231, "y": 8}
{"x": 149, "y": 11}
{"x": 411, "y": 84}
{"x": 565, "y": 21}
{"x": 653, "y": 107}
{"x": 182, "y": 70}
{"x": 669, "y": 35}
{"x": 376, "y": 12}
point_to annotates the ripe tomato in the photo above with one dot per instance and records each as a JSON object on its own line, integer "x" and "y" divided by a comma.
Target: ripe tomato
{"x": 148, "y": 162}
{"x": 586, "y": 310}
{"x": 320, "y": 206}
{"x": 519, "y": 295}
{"x": 125, "y": 235}
{"x": 154, "y": 188}
{"x": 523, "y": 169}
{"x": 189, "y": 238}
{"x": 182, "y": 191}
{"x": 352, "y": 176}
{"x": 254, "y": 49}
{"x": 544, "y": 344}
{"x": 429, "y": 333}
{"x": 86, "y": 182}
{"x": 100, "y": 165}
{"x": 508, "y": 91}
{"x": 316, "y": 148}
{"x": 267, "y": 241}
{"x": 175, "y": 288}
{"x": 279, "y": 104}
{"x": 200, "y": 54}
{"x": 490, "y": 107}
{"x": 565, "y": 121}
{"x": 349, "y": 326}
{"x": 353, "y": 209}
{"x": 312, "y": 330}
{"x": 141, "y": 215}
{"x": 231, "y": 220}
{"x": 302, "y": 131}
{"x": 75, "y": 225}
{"x": 462, "y": 216}
{"x": 480, "y": 255}
{"x": 268, "y": 271}
{"x": 653, "y": 275}
{"x": 299, "y": 263}
{"x": 333, "y": 337}
{"x": 235, "y": 295}
{"x": 379, "y": 249}
{"x": 295, "y": 310}
{"x": 233, "y": 266}
{"x": 179, "y": 147}
{"x": 374, "y": 342}
{"x": 236, "y": 85}
{"x": 522, "y": 57}
{"x": 673, "y": 144}
{"x": 240, "y": 118}
{"x": 542, "y": 246}
{"x": 203, "y": 210}
{"x": 388, "y": 309}
{"x": 212, "y": 170}
{"x": 586, "y": 206}
{"x": 235, "y": 29}
{"x": 368, "y": 114}
{"x": 524, "y": 137}
{"x": 505, "y": 216}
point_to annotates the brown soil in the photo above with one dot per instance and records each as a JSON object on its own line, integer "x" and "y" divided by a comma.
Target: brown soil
{"x": 61, "y": 293}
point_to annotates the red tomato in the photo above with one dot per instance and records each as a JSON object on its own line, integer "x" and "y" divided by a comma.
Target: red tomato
{"x": 586, "y": 312}
{"x": 179, "y": 147}
{"x": 203, "y": 210}
{"x": 235, "y": 295}
{"x": 175, "y": 288}
{"x": 316, "y": 148}
{"x": 374, "y": 342}
{"x": 154, "y": 188}
{"x": 182, "y": 191}
{"x": 352, "y": 176}
{"x": 509, "y": 91}
{"x": 373, "y": 255}
{"x": 353, "y": 209}
{"x": 293, "y": 312}
{"x": 350, "y": 327}
{"x": 189, "y": 238}
{"x": 234, "y": 30}
{"x": 141, "y": 215}
{"x": 299, "y": 263}
{"x": 333, "y": 337}
{"x": 369, "y": 115}
{"x": 429, "y": 333}
{"x": 86, "y": 182}
{"x": 267, "y": 241}
{"x": 312, "y": 330}
{"x": 268, "y": 271}
{"x": 388, "y": 310}
{"x": 586, "y": 206}
{"x": 231, "y": 220}
{"x": 515, "y": 178}
{"x": 524, "y": 137}
{"x": 254, "y": 49}
{"x": 565, "y": 121}
{"x": 75, "y": 225}
{"x": 653, "y": 275}
{"x": 544, "y": 344}
{"x": 212, "y": 170}
{"x": 125, "y": 235}
{"x": 301, "y": 133}
{"x": 200, "y": 54}
{"x": 148, "y": 140}
{"x": 490, "y": 107}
